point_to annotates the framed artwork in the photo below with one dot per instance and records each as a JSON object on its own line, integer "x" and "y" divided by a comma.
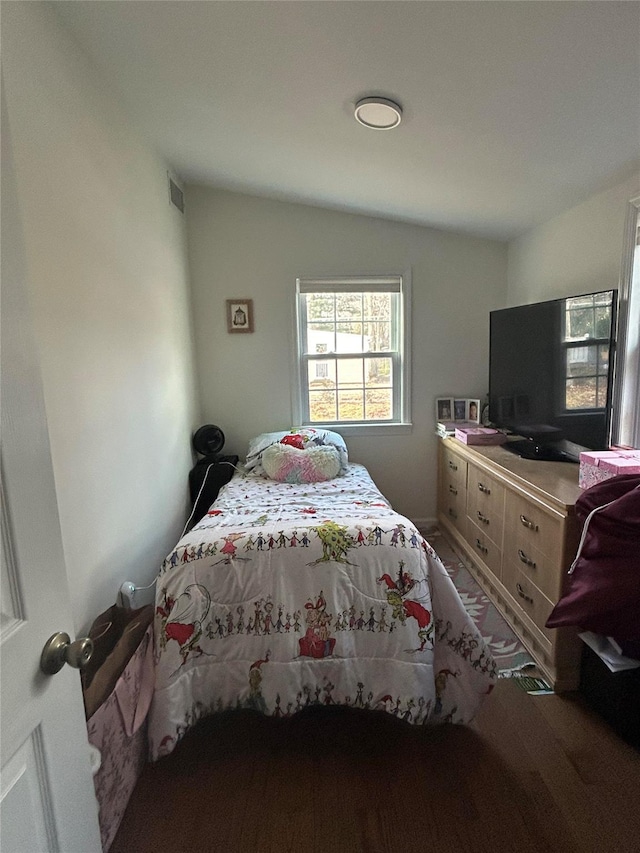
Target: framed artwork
{"x": 473, "y": 411}
{"x": 444, "y": 408}
{"x": 460, "y": 410}
{"x": 239, "y": 315}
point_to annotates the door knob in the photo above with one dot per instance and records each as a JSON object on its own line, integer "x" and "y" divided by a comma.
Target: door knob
{"x": 59, "y": 650}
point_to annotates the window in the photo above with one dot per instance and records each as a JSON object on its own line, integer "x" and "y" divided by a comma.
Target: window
{"x": 587, "y": 326}
{"x": 626, "y": 412}
{"x": 353, "y": 351}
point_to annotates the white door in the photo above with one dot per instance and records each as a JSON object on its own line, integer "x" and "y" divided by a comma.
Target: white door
{"x": 47, "y": 800}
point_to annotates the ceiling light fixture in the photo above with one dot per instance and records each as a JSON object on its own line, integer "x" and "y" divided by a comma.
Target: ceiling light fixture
{"x": 378, "y": 113}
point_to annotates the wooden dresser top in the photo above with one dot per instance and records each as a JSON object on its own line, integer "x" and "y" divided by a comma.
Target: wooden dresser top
{"x": 556, "y": 482}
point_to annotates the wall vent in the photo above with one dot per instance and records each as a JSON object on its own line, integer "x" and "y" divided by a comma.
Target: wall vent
{"x": 176, "y": 195}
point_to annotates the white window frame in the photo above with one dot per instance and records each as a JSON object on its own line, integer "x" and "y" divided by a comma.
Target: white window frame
{"x": 401, "y": 356}
{"x": 625, "y": 427}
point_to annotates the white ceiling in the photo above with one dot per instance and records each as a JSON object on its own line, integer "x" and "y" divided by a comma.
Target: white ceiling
{"x": 513, "y": 111}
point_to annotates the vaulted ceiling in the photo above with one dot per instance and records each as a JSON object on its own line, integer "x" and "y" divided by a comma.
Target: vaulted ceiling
{"x": 512, "y": 111}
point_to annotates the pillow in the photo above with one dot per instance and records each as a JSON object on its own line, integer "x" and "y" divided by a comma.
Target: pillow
{"x": 302, "y": 438}
{"x": 289, "y": 464}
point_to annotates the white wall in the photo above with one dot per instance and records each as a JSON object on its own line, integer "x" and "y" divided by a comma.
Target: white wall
{"x": 578, "y": 251}
{"x": 242, "y": 246}
{"x": 107, "y": 271}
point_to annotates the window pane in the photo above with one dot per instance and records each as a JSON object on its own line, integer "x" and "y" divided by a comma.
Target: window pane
{"x": 322, "y": 406}
{"x": 579, "y": 324}
{"x": 582, "y": 361}
{"x": 349, "y": 306}
{"x": 321, "y": 337}
{"x": 581, "y": 393}
{"x": 377, "y": 337}
{"x": 377, "y": 306}
{"x": 349, "y": 337}
{"x": 322, "y": 374}
{"x": 350, "y": 373}
{"x": 350, "y": 406}
{"x": 601, "y": 392}
{"x": 320, "y": 306}
{"x": 603, "y": 322}
{"x": 378, "y": 404}
{"x": 588, "y": 316}
{"x": 378, "y": 371}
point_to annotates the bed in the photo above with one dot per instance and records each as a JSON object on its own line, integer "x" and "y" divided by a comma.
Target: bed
{"x": 309, "y": 589}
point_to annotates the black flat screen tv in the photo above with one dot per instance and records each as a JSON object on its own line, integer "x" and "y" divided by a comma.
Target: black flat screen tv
{"x": 551, "y": 375}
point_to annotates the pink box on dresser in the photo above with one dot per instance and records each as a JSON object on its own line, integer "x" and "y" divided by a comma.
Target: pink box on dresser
{"x": 599, "y": 465}
{"x": 480, "y": 435}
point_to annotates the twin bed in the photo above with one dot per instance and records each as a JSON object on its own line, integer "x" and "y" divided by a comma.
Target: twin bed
{"x": 302, "y": 586}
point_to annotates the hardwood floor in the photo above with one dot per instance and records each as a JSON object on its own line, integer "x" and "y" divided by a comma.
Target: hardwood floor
{"x": 531, "y": 773}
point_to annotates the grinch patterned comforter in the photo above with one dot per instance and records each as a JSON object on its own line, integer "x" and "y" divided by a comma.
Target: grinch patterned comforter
{"x": 285, "y": 596}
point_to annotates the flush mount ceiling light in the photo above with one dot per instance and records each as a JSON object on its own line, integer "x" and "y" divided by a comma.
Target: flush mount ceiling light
{"x": 378, "y": 113}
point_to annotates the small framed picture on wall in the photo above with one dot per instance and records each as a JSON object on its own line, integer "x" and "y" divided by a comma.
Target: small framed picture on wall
{"x": 239, "y": 315}
{"x": 444, "y": 408}
{"x": 473, "y": 411}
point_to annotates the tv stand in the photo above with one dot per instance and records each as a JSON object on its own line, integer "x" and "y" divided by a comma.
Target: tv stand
{"x": 528, "y": 449}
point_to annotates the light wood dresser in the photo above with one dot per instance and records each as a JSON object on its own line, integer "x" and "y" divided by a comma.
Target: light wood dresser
{"x": 513, "y": 521}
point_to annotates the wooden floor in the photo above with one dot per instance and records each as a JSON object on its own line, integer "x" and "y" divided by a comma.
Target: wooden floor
{"x": 531, "y": 773}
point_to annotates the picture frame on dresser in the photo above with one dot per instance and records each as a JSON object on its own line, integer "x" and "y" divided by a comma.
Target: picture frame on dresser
{"x": 444, "y": 408}
{"x": 473, "y": 411}
{"x": 460, "y": 410}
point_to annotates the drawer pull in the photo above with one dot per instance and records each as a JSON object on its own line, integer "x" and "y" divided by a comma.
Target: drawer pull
{"x": 485, "y": 489}
{"x": 453, "y": 466}
{"x": 481, "y": 547}
{"x": 523, "y": 594}
{"x": 524, "y": 559}
{"x": 453, "y": 513}
{"x": 482, "y": 518}
{"x": 453, "y": 491}
{"x": 530, "y": 524}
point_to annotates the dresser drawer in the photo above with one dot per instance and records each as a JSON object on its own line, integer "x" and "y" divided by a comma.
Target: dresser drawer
{"x": 453, "y": 488}
{"x": 531, "y": 600}
{"x": 452, "y": 507}
{"x": 541, "y": 569}
{"x": 484, "y": 548}
{"x": 530, "y": 527}
{"x": 454, "y": 470}
{"x": 485, "y": 503}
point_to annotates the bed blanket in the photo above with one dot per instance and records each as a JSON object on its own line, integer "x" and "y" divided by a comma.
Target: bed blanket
{"x": 286, "y": 595}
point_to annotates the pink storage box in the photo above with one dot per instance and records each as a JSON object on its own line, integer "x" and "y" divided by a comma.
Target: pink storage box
{"x": 599, "y": 465}
{"x": 480, "y": 435}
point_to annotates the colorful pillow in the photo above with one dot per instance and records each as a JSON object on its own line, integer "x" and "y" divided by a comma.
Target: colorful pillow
{"x": 289, "y": 464}
{"x": 303, "y": 438}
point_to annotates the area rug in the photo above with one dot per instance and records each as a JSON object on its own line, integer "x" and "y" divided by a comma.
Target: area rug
{"x": 510, "y": 655}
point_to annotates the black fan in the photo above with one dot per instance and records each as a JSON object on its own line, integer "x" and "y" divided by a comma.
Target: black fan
{"x": 208, "y": 440}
